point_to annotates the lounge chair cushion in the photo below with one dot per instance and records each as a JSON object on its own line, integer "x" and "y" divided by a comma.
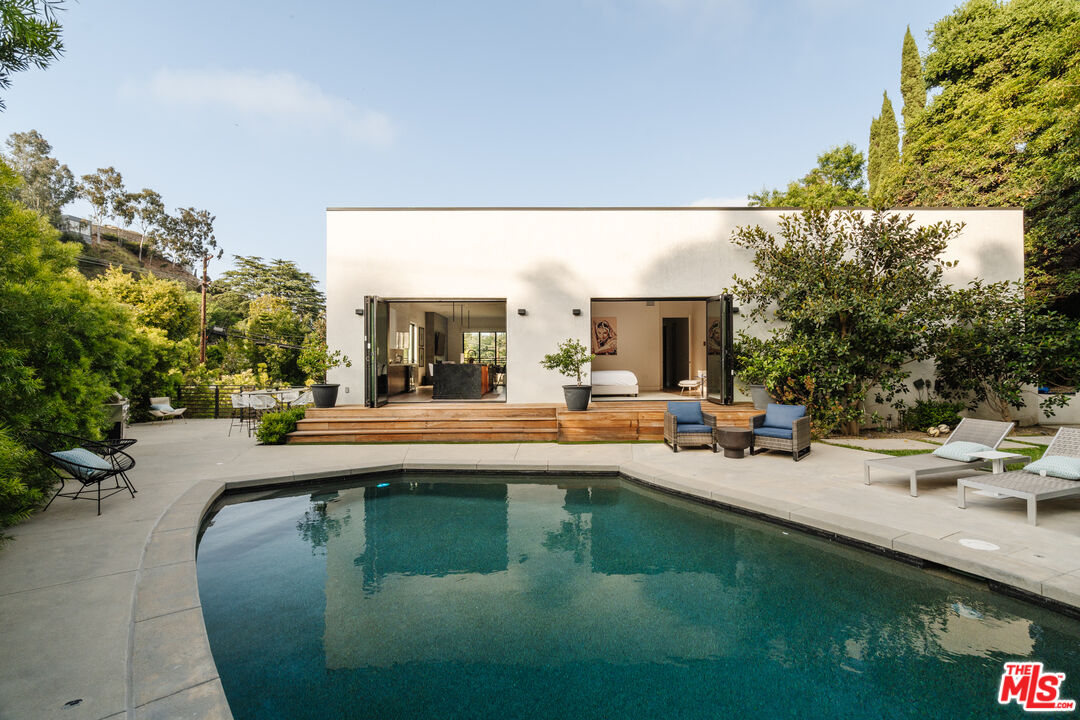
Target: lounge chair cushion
{"x": 162, "y": 408}
{"x": 776, "y": 432}
{"x": 686, "y": 412}
{"x": 1058, "y": 466}
{"x": 83, "y": 457}
{"x": 783, "y": 416}
{"x": 693, "y": 428}
{"x": 961, "y": 450}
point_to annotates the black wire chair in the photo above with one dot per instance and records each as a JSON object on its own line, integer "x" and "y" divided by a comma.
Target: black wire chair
{"x": 88, "y": 462}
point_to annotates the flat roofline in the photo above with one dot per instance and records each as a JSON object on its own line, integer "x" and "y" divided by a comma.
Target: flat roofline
{"x": 640, "y": 207}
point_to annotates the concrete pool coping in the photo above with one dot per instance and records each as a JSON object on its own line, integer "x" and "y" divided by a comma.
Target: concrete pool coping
{"x": 169, "y": 668}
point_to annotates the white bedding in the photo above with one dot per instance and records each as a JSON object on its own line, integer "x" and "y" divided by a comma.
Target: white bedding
{"x": 614, "y": 377}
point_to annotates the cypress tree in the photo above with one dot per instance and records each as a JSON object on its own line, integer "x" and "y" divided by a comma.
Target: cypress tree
{"x": 884, "y": 147}
{"x": 912, "y": 84}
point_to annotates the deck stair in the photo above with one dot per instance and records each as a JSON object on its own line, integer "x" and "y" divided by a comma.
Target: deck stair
{"x": 633, "y": 421}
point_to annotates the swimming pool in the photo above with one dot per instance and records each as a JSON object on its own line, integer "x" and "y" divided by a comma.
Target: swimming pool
{"x": 501, "y": 597}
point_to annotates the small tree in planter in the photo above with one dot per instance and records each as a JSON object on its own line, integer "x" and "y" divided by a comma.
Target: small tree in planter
{"x": 316, "y": 360}
{"x": 570, "y": 359}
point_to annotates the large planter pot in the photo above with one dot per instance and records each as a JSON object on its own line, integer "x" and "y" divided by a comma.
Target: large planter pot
{"x": 325, "y": 396}
{"x": 577, "y": 396}
{"x": 760, "y": 395}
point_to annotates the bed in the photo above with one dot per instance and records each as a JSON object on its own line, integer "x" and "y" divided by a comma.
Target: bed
{"x": 614, "y": 382}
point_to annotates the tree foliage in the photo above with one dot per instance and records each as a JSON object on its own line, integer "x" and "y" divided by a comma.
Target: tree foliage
{"x": 853, "y": 293}
{"x": 157, "y": 303}
{"x": 253, "y": 278}
{"x": 104, "y": 190}
{"x": 47, "y": 186}
{"x": 912, "y": 84}
{"x": 1002, "y": 130}
{"x": 29, "y": 37}
{"x": 147, "y": 211}
{"x": 999, "y": 341}
{"x": 837, "y": 181}
{"x": 884, "y": 151}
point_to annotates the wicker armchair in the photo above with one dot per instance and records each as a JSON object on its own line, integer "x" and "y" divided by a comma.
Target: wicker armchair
{"x": 782, "y": 427}
{"x": 686, "y": 425}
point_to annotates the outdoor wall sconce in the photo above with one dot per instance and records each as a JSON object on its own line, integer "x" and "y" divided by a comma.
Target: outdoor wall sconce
{"x": 521, "y": 311}
{"x": 577, "y": 312}
{"x": 359, "y": 311}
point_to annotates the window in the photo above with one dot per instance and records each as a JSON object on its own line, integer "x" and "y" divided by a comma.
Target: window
{"x": 487, "y": 348}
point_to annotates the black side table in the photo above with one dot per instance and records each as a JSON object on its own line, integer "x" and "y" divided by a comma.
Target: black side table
{"x": 734, "y": 440}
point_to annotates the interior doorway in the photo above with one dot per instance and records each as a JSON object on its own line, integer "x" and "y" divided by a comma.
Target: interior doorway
{"x": 675, "y": 342}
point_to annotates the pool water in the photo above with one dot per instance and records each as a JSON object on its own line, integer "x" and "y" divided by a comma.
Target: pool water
{"x": 586, "y": 597}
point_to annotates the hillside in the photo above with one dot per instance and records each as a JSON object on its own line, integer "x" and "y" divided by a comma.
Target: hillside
{"x": 121, "y": 247}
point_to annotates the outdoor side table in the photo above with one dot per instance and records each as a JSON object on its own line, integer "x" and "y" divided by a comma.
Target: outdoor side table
{"x": 998, "y": 459}
{"x": 734, "y": 440}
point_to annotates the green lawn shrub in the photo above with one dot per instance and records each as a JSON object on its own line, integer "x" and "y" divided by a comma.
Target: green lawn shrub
{"x": 276, "y": 425}
{"x": 931, "y": 413}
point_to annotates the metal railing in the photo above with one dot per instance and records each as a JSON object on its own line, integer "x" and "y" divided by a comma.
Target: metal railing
{"x": 208, "y": 401}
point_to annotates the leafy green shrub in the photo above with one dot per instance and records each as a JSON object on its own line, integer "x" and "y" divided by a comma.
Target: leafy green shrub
{"x": 276, "y": 425}
{"x": 931, "y": 413}
{"x": 22, "y": 488}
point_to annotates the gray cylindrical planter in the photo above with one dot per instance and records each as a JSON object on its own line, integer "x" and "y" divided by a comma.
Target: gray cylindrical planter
{"x": 577, "y": 396}
{"x": 325, "y": 396}
{"x": 760, "y": 395}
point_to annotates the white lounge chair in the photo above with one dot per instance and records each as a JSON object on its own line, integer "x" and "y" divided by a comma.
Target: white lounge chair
{"x": 985, "y": 432}
{"x": 161, "y": 408}
{"x": 1028, "y": 485}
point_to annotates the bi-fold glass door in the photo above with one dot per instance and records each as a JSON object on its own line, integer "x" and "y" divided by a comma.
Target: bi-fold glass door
{"x": 376, "y": 357}
{"x": 719, "y": 351}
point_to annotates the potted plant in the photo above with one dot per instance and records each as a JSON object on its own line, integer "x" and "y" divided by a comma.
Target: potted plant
{"x": 752, "y": 369}
{"x": 316, "y": 360}
{"x": 571, "y": 357}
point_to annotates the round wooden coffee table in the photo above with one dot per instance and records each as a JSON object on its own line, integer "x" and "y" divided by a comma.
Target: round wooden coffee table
{"x": 734, "y": 440}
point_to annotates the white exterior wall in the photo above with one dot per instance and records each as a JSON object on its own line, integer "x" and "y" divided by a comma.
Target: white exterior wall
{"x": 550, "y": 261}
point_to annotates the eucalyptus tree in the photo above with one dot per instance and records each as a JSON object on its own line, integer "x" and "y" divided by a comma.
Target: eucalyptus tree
{"x": 192, "y": 232}
{"x": 146, "y": 210}
{"x": 47, "y": 185}
{"x": 104, "y": 190}
{"x": 29, "y": 37}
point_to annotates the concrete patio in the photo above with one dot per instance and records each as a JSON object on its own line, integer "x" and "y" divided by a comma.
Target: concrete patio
{"x": 103, "y": 617}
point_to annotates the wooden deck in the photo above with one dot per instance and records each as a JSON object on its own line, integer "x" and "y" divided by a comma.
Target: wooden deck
{"x": 631, "y": 421}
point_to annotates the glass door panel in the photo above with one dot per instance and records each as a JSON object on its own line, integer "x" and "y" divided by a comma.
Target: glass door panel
{"x": 719, "y": 358}
{"x": 377, "y": 313}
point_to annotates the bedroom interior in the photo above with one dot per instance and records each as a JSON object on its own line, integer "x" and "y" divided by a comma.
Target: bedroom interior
{"x": 645, "y": 347}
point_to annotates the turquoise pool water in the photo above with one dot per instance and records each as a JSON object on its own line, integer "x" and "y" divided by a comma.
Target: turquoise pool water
{"x": 513, "y": 597}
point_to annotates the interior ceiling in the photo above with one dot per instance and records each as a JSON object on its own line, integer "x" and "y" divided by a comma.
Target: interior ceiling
{"x": 474, "y": 311}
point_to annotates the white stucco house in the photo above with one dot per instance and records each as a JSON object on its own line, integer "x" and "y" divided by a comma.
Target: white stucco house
{"x": 415, "y": 294}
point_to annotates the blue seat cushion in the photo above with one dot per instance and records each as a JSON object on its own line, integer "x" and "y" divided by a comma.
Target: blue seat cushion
{"x": 693, "y": 428}
{"x": 783, "y": 416}
{"x": 88, "y": 464}
{"x": 775, "y": 432}
{"x": 162, "y": 408}
{"x": 686, "y": 412}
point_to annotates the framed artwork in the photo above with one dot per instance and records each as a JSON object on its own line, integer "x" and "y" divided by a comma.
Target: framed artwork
{"x": 605, "y": 339}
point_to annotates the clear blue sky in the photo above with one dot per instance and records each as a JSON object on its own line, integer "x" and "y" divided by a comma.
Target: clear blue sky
{"x": 266, "y": 113}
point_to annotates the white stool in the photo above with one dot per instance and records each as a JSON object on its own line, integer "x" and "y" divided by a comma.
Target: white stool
{"x": 689, "y": 386}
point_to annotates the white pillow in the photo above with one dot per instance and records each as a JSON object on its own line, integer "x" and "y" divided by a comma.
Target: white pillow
{"x": 961, "y": 450}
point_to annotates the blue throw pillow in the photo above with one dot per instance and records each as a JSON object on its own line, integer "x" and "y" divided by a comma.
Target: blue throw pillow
{"x": 686, "y": 412}
{"x": 89, "y": 465}
{"x": 162, "y": 408}
{"x": 783, "y": 416}
{"x": 961, "y": 450}
{"x": 1057, "y": 466}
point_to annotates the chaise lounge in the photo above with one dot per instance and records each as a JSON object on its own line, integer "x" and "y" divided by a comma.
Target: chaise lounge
{"x": 1037, "y": 481}
{"x": 989, "y": 433}
{"x": 161, "y": 408}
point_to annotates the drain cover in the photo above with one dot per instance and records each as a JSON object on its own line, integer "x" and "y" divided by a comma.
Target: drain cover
{"x": 978, "y": 544}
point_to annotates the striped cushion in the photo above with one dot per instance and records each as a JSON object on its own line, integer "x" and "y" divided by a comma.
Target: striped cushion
{"x": 961, "y": 450}
{"x": 88, "y": 464}
{"x": 1057, "y": 466}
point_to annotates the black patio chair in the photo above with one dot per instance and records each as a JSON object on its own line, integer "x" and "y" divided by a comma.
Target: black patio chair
{"x": 88, "y": 462}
